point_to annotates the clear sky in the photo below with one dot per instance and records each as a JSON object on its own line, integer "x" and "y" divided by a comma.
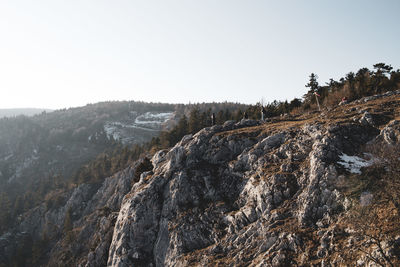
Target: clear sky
{"x": 56, "y": 54}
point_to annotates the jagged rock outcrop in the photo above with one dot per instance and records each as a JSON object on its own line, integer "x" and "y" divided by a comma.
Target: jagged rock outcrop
{"x": 225, "y": 196}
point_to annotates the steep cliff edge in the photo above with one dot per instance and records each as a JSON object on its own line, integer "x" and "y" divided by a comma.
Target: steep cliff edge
{"x": 258, "y": 195}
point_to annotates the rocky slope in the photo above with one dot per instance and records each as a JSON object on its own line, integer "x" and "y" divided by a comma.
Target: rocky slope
{"x": 242, "y": 194}
{"x": 238, "y": 194}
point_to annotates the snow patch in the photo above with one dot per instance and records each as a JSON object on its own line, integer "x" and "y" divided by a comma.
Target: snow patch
{"x": 153, "y": 118}
{"x": 149, "y": 121}
{"x": 354, "y": 163}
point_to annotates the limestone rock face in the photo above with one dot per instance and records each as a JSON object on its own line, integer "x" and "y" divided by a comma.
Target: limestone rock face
{"x": 95, "y": 223}
{"x": 225, "y": 195}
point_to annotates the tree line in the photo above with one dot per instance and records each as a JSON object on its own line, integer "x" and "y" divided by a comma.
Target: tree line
{"x": 353, "y": 86}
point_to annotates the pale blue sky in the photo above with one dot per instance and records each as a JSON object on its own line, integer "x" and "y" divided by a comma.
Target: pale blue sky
{"x": 57, "y": 54}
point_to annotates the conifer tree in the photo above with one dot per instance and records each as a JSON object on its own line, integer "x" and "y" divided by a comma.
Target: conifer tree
{"x": 194, "y": 121}
{"x": 313, "y": 85}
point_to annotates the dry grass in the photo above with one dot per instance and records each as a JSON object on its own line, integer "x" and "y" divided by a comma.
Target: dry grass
{"x": 390, "y": 106}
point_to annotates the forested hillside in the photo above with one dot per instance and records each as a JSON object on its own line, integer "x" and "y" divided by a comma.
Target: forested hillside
{"x": 56, "y": 151}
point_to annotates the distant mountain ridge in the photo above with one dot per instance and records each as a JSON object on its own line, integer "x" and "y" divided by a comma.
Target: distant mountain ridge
{"x": 13, "y": 112}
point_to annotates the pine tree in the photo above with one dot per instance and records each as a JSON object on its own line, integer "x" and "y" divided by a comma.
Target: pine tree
{"x": 194, "y": 121}
{"x": 313, "y": 85}
{"x": 182, "y": 127}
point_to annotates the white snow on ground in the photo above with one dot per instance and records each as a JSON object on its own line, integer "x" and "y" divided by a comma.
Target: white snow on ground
{"x": 113, "y": 129}
{"x": 353, "y": 163}
{"x": 149, "y": 121}
{"x": 133, "y": 126}
{"x": 153, "y": 118}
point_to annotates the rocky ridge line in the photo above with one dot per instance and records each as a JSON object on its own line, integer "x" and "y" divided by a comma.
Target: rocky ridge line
{"x": 210, "y": 199}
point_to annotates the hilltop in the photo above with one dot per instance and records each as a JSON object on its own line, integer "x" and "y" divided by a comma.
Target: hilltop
{"x": 300, "y": 189}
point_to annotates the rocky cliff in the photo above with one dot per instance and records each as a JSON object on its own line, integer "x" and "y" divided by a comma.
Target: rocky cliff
{"x": 280, "y": 193}
{"x": 250, "y": 194}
